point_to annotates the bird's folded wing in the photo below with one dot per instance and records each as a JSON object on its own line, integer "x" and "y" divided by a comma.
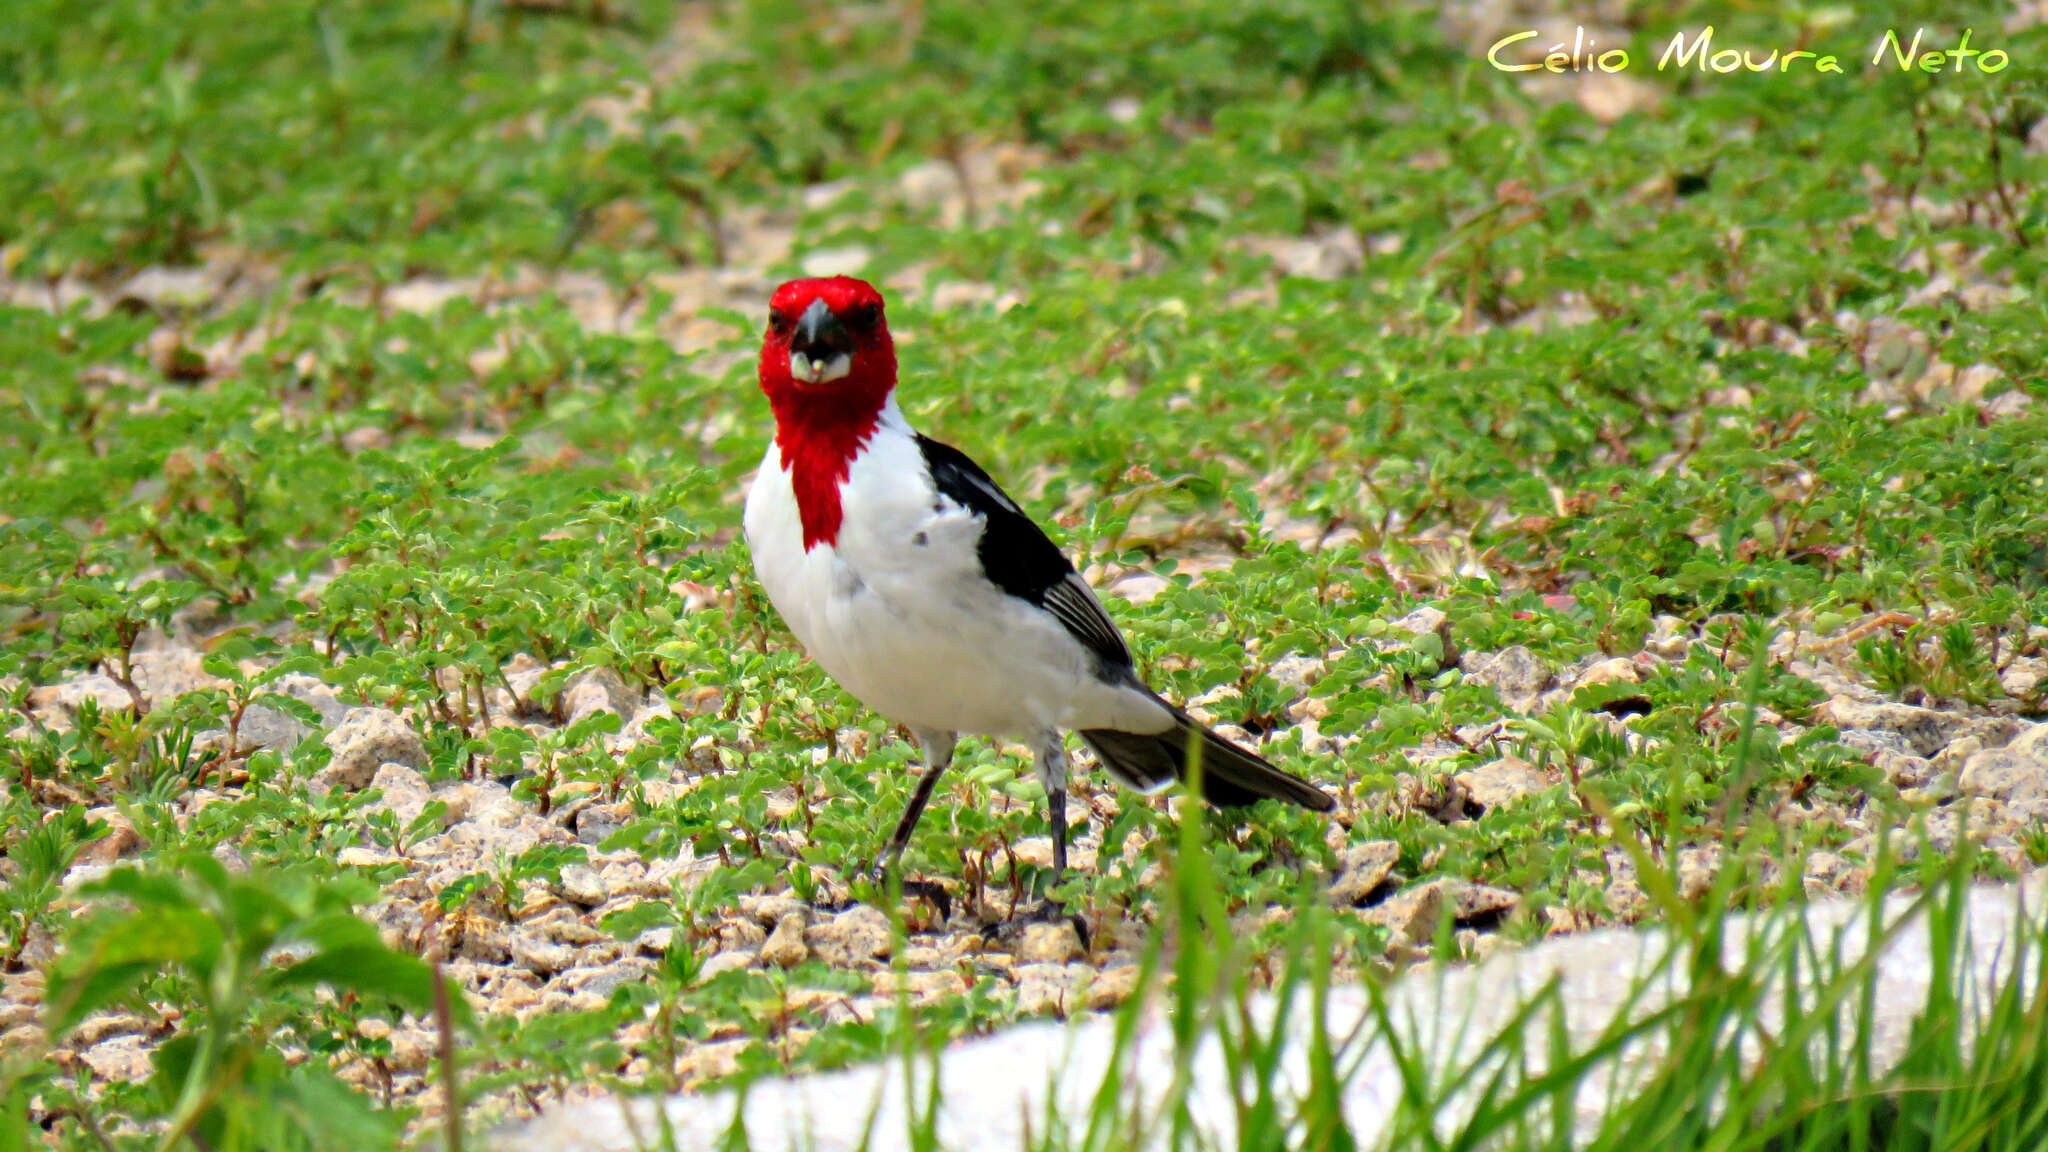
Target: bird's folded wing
{"x": 1074, "y": 603}
{"x": 1018, "y": 557}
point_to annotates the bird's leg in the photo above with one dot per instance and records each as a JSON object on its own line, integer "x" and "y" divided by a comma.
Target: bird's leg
{"x": 1051, "y": 764}
{"x": 1052, "y": 772}
{"x": 938, "y": 755}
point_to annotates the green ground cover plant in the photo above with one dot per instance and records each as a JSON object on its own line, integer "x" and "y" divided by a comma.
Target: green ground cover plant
{"x": 397, "y": 356}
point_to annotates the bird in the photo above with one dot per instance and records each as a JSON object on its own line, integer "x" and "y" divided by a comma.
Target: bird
{"x": 929, "y": 594}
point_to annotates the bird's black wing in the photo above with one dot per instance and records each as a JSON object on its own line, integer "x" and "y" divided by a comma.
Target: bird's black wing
{"x": 1019, "y": 558}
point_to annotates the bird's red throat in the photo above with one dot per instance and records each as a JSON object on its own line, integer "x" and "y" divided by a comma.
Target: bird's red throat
{"x": 818, "y": 450}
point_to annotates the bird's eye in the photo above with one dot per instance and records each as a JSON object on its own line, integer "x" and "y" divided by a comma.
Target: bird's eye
{"x": 865, "y": 315}
{"x": 778, "y": 320}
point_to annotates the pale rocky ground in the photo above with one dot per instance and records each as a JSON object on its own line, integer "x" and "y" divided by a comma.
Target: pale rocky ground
{"x": 548, "y": 953}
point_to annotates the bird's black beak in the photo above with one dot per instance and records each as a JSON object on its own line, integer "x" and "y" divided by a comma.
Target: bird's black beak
{"x": 821, "y": 349}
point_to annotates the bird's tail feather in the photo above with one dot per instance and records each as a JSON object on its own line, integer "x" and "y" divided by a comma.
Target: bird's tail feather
{"x": 1231, "y": 776}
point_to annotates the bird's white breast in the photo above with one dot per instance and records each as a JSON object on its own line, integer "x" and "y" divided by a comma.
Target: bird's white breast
{"x": 899, "y": 611}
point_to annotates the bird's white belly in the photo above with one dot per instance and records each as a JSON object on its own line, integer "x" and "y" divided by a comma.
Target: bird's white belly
{"x": 932, "y": 656}
{"x": 899, "y": 612}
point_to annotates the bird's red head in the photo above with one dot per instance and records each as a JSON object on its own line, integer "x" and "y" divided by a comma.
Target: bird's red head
{"x": 827, "y": 350}
{"x": 827, "y": 366}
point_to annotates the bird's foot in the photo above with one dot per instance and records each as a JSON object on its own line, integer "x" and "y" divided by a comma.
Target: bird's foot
{"x": 842, "y": 897}
{"x": 931, "y": 892}
{"x": 1044, "y": 912}
{"x": 833, "y": 900}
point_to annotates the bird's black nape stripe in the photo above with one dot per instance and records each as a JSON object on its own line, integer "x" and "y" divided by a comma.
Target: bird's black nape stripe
{"x": 1018, "y": 557}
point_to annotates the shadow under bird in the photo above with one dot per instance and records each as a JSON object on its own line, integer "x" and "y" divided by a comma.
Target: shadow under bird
{"x": 928, "y": 594}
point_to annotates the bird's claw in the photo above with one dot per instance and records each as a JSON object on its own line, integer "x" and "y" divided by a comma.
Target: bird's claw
{"x": 1044, "y": 912}
{"x": 838, "y": 901}
{"x": 929, "y": 891}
